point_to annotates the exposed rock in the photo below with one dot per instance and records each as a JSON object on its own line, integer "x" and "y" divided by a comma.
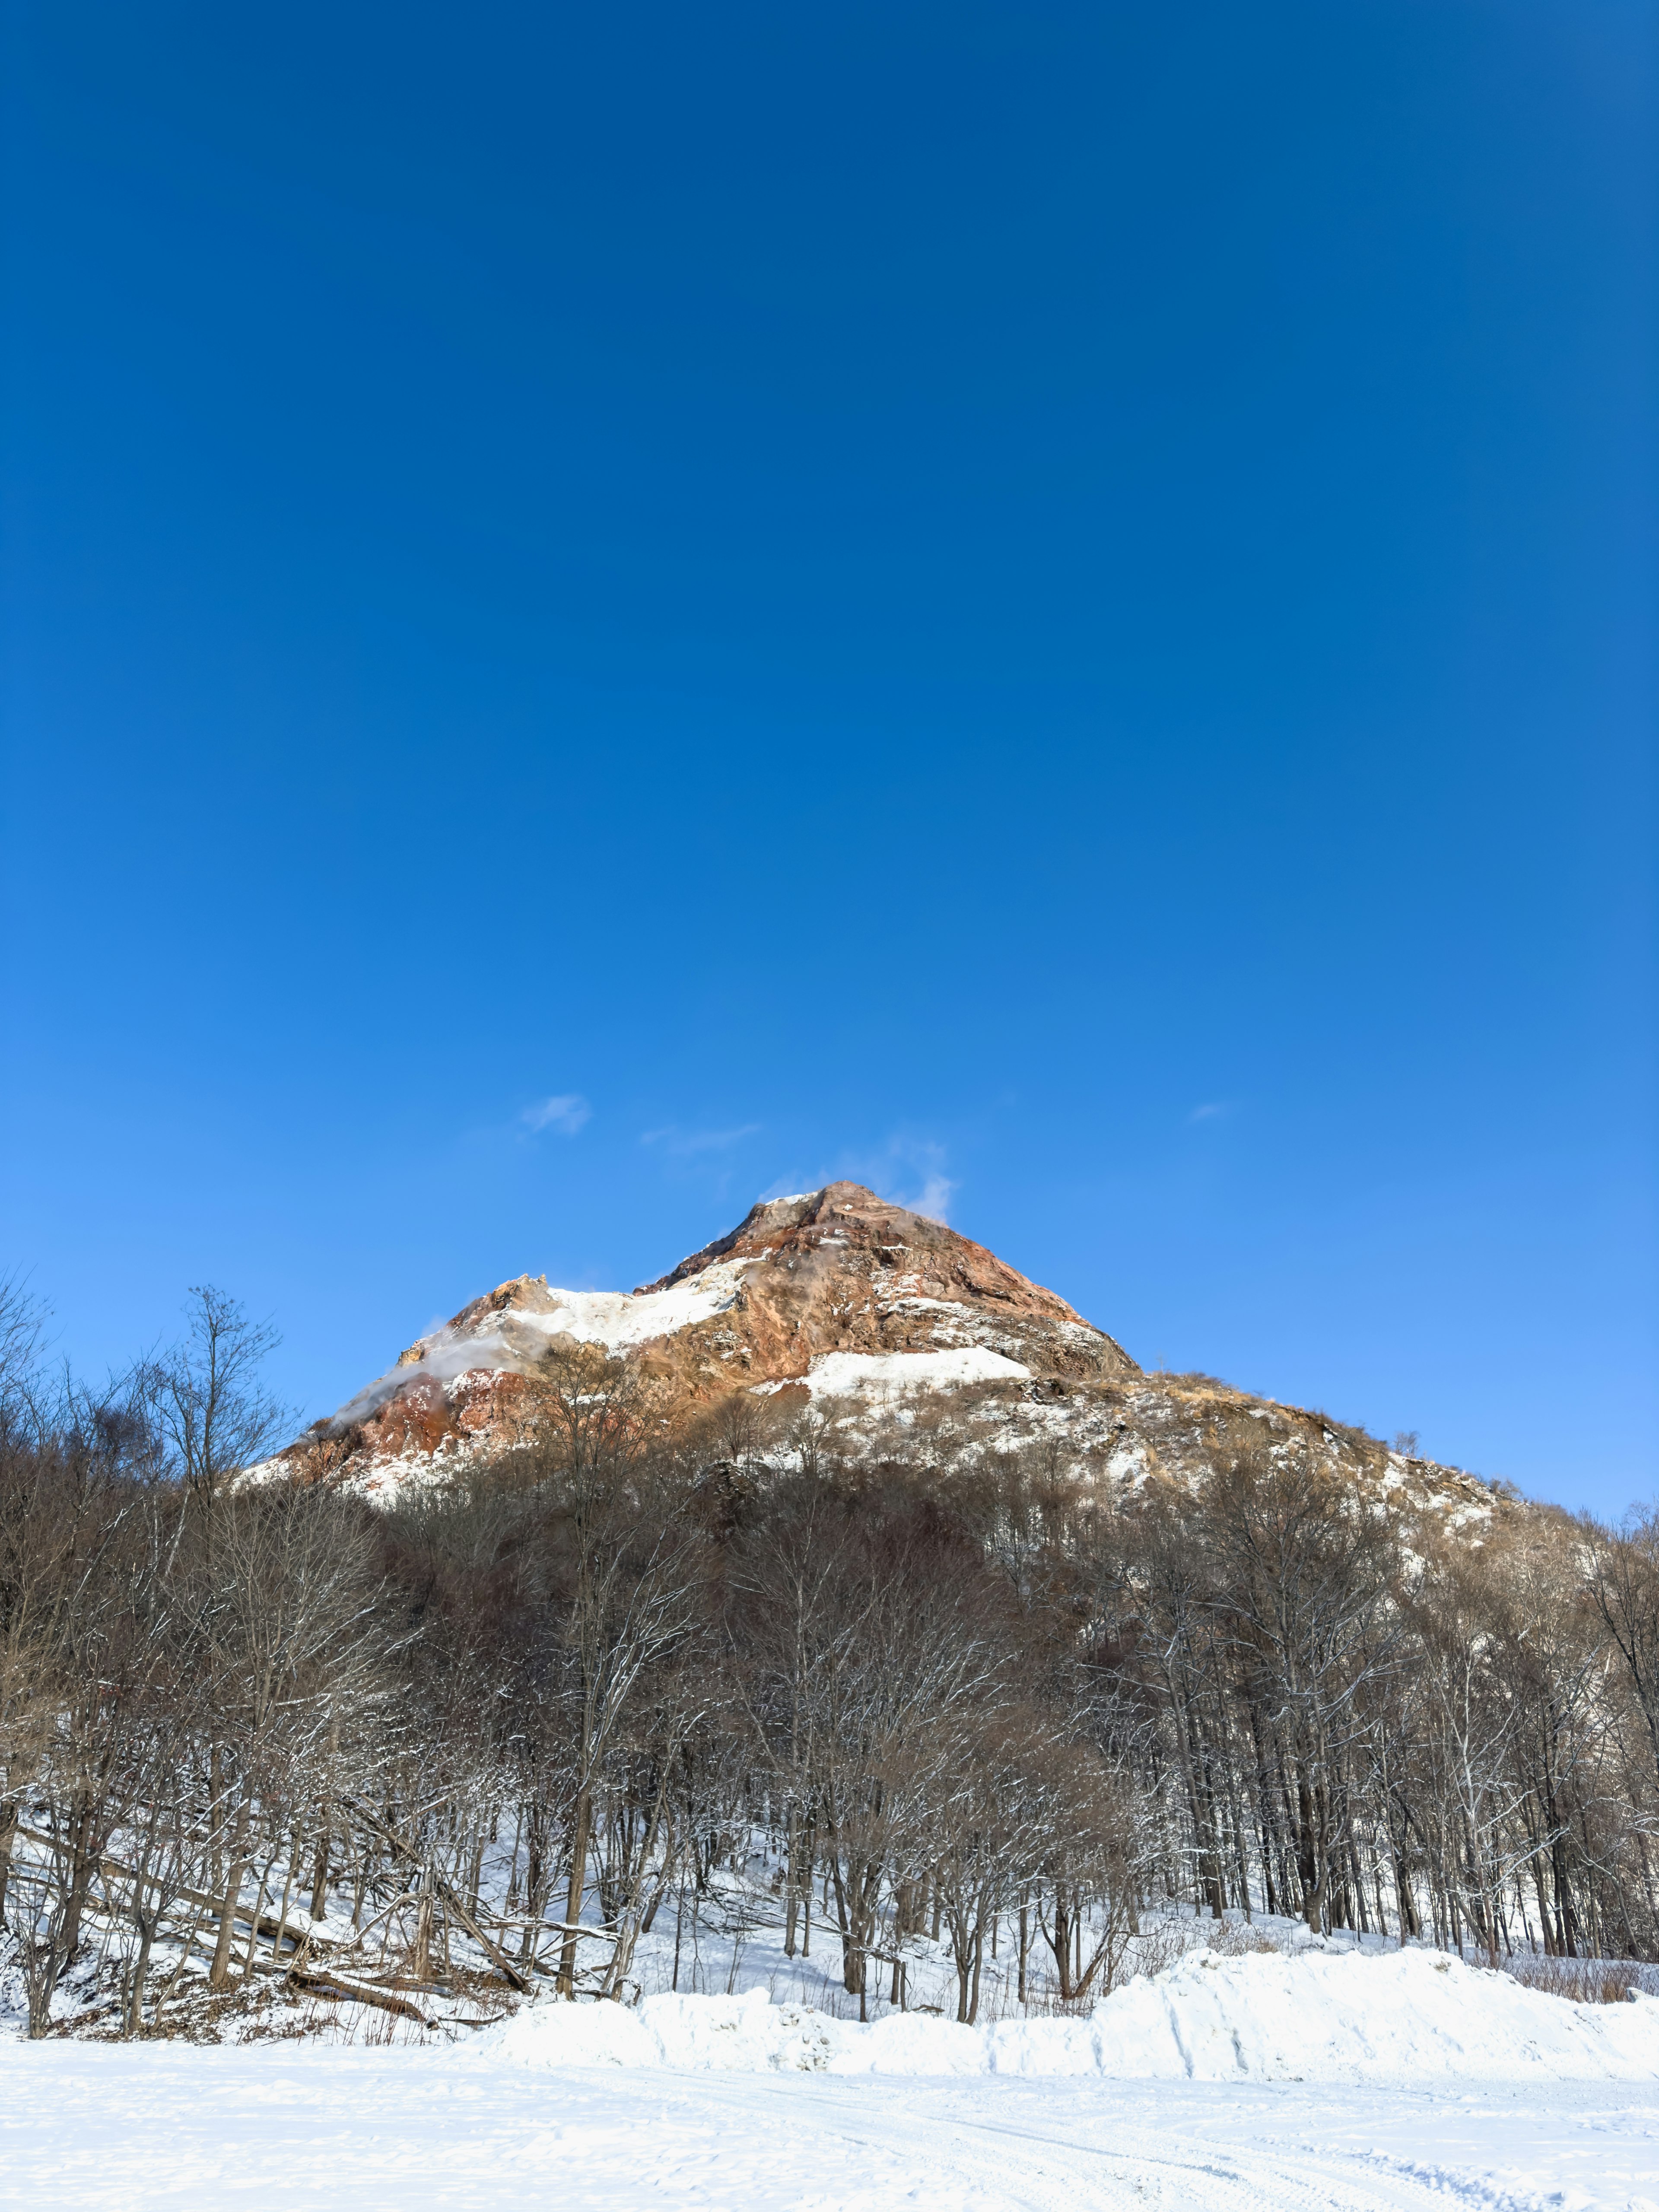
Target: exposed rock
{"x": 838, "y": 1295}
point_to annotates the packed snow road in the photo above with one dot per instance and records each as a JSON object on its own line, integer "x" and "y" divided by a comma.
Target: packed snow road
{"x": 303, "y": 2127}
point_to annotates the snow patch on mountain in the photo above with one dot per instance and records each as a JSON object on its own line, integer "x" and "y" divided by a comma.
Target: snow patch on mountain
{"x": 900, "y": 1374}
{"x": 619, "y": 1321}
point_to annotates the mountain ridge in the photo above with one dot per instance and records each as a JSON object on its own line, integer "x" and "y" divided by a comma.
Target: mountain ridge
{"x": 841, "y": 1298}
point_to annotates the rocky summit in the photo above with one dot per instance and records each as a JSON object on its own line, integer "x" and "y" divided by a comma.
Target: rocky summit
{"x": 839, "y": 1299}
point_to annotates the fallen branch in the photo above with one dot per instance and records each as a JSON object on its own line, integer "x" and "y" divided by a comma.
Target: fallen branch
{"x": 339, "y": 1989}
{"x": 520, "y": 1980}
{"x": 265, "y": 1923}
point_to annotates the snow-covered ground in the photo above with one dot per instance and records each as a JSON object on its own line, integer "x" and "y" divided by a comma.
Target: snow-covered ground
{"x": 277, "y": 2126}
{"x": 1303, "y": 2072}
{"x": 1264, "y": 2082}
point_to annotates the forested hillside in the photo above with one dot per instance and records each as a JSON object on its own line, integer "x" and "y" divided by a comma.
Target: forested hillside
{"x": 483, "y": 1733}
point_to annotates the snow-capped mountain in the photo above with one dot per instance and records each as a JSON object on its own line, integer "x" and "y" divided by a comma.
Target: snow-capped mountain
{"x": 838, "y": 1296}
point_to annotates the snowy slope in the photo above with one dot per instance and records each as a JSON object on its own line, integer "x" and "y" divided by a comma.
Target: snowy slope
{"x": 841, "y": 1295}
{"x": 619, "y": 1321}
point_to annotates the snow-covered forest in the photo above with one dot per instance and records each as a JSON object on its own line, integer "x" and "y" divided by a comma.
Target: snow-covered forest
{"x": 901, "y": 1720}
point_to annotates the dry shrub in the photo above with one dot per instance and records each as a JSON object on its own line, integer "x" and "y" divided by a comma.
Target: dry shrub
{"x": 1162, "y": 1944}
{"x": 1234, "y": 1940}
{"x": 1583, "y": 1981}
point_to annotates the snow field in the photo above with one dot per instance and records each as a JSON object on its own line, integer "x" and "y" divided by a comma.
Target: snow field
{"x": 280, "y": 2128}
{"x": 1320, "y": 2081}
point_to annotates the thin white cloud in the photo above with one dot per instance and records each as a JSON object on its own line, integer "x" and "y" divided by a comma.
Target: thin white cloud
{"x": 901, "y": 1158}
{"x": 933, "y": 1201}
{"x": 907, "y": 1171}
{"x": 567, "y": 1114}
{"x": 685, "y": 1144}
{"x": 1215, "y": 1111}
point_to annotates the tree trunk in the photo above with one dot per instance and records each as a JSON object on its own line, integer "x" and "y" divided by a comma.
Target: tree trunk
{"x": 219, "y": 1972}
{"x": 581, "y": 1827}
{"x": 319, "y": 1875}
{"x": 8, "y": 1830}
{"x": 83, "y": 1866}
{"x": 134, "y": 2023}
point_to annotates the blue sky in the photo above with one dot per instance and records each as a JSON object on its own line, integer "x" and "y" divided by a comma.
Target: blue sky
{"x": 1048, "y": 607}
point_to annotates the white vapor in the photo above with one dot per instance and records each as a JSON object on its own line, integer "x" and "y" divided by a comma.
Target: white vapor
{"x": 920, "y": 1156}
{"x": 935, "y": 1203}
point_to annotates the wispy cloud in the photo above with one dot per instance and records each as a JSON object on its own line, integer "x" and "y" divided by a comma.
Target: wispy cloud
{"x": 686, "y": 1144}
{"x": 907, "y": 1170}
{"x": 567, "y": 1114}
{"x": 901, "y": 1158}
{"x": 1217, "y": 1110}
{"x": 933, "y": 1200}
{"x": 788, "y": 1186}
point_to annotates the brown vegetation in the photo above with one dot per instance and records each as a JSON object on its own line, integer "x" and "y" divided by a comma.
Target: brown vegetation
{"x": 960, "y": 1689}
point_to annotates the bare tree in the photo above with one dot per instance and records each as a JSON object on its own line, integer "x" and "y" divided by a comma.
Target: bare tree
{"x": 208, "y": 1399}
{"x": 624, "y": 1579}
{"x": 1624, "y": 1584}
{"x": 294, "y": 1636}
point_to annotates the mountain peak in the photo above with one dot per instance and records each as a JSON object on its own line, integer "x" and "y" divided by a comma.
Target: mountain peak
{"x": 847, "y": 1219}
{"x": 879, "y": 1313}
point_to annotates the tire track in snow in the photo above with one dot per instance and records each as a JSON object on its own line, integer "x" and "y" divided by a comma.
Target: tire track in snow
{"x": 1137, "y": 2171}
{"x": 278, "y": 2129}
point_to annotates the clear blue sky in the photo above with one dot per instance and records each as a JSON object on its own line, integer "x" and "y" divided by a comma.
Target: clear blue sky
{"x": 1056, "y": 601}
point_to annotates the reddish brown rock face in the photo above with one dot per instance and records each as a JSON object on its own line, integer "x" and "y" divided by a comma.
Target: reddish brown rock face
{"x": 837, "y": 1271}
{"x": 842, "y": 1270}
{"x": 839, "y": 1293}
{"x": 862, "y": 1232}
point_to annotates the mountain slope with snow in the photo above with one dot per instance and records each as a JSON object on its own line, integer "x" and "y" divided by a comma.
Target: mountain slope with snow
{"x": 837, "y": 1298}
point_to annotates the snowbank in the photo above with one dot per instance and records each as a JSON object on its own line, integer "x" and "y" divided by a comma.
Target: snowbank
{"x": 1408, "y": 2016}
